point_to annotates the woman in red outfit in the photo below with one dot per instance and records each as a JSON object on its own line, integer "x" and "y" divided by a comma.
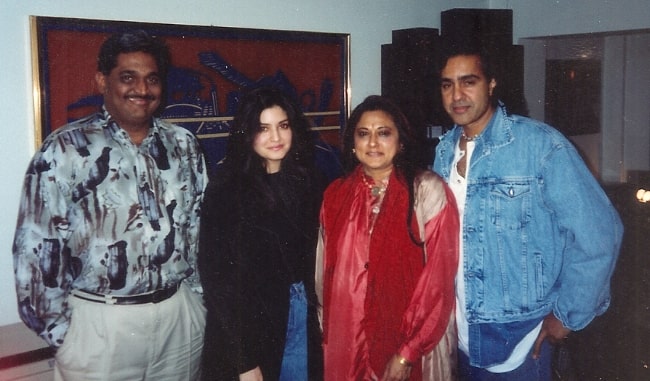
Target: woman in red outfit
{"x": 387, "y": 257}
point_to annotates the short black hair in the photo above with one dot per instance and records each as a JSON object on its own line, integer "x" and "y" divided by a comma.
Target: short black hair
{"x": 130, "y": 42}
{"x": 406, "y": 162}
{"x": 406, "y": 158}
{"x": 452, "y": 48}
{"x": 485, "y": 55}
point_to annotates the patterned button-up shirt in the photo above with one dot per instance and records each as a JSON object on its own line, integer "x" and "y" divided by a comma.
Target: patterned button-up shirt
{"x": 100, "y": 214}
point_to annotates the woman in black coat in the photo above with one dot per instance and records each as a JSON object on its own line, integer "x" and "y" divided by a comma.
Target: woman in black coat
{"x": 259, "y": 228}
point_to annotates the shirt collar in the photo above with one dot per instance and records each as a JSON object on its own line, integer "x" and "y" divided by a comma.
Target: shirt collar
{"x": 114, "y": 128}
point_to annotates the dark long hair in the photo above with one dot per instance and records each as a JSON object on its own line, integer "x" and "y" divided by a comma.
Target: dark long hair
{"x": 244, "y": 168}
{"x": 406, "y": 161}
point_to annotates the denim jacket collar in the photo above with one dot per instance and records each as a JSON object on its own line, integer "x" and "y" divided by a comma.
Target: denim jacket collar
{"x": 496, "y": 134}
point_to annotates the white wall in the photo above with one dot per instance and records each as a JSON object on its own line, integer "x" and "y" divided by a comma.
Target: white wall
{"x": 534, "y": 18}
{"x": 369, "y": 23}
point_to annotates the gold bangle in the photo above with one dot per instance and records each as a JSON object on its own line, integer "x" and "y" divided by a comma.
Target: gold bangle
{"x": 404, "y": 361}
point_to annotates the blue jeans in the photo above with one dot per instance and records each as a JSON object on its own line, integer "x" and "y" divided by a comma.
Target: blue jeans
{"x": 294, "y": 361}
{"x": 530, "y": 370}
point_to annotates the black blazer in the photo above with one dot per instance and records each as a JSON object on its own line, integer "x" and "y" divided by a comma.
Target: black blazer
{"x": 249, "y": 255}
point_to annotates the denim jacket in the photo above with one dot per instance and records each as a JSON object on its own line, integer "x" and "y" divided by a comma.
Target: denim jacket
{"x": 539, "y": 233}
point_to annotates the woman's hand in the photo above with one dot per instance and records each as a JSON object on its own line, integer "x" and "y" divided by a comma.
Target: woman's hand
{"x": 397, "y": 369}
{"x": 252, "y": 375}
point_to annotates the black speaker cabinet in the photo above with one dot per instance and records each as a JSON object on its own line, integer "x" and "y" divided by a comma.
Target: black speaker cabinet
{"x": 409, "y": 74}
{"x": 409, "y": 77}
{"x": 488, "y": 26}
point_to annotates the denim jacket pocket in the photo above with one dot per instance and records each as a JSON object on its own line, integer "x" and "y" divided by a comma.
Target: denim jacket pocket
{"x": 510, "y": 207}
{"x": 510, "y": 204}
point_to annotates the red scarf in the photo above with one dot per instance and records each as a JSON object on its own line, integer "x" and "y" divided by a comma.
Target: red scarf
{"x": 395, "y": 264}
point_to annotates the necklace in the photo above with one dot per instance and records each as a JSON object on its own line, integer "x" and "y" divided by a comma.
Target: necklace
{"x": 375, "y": 190}
{"x": 378, "y": 192}
{"x": 467, "y": 138}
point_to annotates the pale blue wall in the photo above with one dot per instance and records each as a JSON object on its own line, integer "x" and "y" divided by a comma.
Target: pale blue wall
{"x": 369, "y": 22}
{"x": 535, "y": 18}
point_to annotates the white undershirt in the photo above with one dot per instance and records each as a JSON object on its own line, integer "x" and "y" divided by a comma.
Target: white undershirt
{"x": 458, "y": 185}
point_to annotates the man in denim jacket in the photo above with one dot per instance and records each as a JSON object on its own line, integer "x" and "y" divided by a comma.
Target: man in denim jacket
{"x": 539, "y": 237}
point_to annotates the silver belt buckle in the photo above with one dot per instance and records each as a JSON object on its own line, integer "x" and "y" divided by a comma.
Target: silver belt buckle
{"x": 108, "y": 299}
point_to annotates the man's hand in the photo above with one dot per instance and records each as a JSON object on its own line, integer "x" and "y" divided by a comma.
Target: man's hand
{"x": 396, "y": 371}
{"x": 252, "y": 375}
{"x": 553, "y": 331}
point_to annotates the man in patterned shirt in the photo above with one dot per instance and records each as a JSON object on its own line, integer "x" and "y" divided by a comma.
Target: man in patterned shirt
{"x": 106, "y": 239}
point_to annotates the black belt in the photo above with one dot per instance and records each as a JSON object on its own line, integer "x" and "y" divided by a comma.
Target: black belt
{"x": 151, "y": 297}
